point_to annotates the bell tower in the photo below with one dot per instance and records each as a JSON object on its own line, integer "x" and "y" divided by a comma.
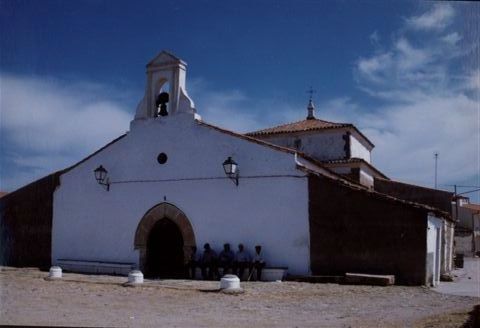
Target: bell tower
{"x": 165, "y": 93}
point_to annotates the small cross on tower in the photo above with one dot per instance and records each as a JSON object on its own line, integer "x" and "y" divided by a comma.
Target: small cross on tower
{"x": 311, "y": 92}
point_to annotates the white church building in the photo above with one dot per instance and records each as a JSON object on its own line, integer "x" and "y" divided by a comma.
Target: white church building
{"x": 303, "y": 190}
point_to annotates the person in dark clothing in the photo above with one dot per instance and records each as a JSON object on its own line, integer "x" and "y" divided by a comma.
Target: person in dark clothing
{"x": 193, "y": 263}
{"x": 225, "y": 258}
{"x": 209, "y": 263}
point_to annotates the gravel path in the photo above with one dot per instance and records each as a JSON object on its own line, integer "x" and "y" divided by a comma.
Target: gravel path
{"x": 26, "y": 298}
{"x": 467, "y": 280}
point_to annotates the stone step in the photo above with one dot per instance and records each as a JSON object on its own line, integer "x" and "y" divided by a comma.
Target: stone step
{"x": 316, "y": 279}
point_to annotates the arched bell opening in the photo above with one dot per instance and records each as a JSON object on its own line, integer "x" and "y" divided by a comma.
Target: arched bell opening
{"x": 162, "y": 98}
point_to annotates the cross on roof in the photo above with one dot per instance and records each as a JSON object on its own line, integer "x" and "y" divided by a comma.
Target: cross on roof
{"x": 311, "y": 92}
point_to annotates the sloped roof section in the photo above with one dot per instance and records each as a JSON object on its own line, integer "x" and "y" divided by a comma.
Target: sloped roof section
{"x": 382, "y": 196}
{"x": 300, "y": 126}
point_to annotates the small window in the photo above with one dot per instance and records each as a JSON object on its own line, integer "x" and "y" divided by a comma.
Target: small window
{"x": 297, "y": 143}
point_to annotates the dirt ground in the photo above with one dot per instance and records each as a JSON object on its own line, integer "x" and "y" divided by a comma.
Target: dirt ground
{"x": 26, "y": 298}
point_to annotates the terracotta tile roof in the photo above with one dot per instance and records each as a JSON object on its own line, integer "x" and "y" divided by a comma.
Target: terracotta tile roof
{"x": 300, "y": 126}
{"x": 305, "y": 126}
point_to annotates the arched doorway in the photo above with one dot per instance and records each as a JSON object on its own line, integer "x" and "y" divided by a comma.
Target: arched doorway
{"x": 164, "y": 238}
{"x": 165, "y": 258}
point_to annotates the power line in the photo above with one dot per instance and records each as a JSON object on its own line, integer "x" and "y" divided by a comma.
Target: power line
{"x": 460, "y": 186}
{"x": 467, "y": 192}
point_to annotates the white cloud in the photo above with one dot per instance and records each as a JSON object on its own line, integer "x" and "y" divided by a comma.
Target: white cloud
{"x": 407, "y": 135}
{"x": 373, "y": 68}
{"x": 428, "y": 104}
{"x": 375, "y": 38}
{"x": 452, "y": 38}
{"x": 437, "y": 18}
{"x": 404, "y": 63}
{"x": 48, "y": 124}
{"x": 473, "y": 81}
{"x": 409, "y": 58}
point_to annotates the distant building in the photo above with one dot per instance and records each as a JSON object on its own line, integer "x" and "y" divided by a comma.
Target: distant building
{"x": 305, "y": 191}
{"x": 467, "y": 232}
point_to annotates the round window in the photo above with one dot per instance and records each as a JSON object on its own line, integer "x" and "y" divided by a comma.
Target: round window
{"x": 162, "y": 158}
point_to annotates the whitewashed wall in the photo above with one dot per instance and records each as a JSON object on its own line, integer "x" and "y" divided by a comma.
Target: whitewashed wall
{"x": 324, "y": 145}
{"x": 434, "y": 245}
{"x": 90, "y": 223}
{"x": 447, "y": 246}
{"x": 358, "y": 150}
{"x": 366, "y": 178}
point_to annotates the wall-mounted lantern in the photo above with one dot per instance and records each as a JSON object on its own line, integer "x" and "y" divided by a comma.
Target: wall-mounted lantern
{"x": 101, "y": 177}
{"x": 231, "y": 169}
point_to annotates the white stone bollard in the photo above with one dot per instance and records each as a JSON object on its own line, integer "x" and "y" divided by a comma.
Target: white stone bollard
{"x": 230, "y": 282}
{"x": 55, "y": 272}
{"x": 135, "y": 277}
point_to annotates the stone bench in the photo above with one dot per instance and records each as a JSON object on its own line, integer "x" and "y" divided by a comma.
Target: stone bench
{"x": 369, "y": 279}
{"x": 97, "y": 267}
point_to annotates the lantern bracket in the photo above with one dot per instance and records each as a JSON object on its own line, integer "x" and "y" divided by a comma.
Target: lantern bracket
{"x": 101, "y": 177}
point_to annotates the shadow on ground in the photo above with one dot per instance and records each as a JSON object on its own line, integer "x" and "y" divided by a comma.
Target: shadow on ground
{"x": 474, "y": 318}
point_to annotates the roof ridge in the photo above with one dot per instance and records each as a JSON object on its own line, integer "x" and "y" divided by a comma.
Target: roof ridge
{"x": 274, "y": 127}
{"x": 305, "y": 121}
{"x": 414, "y": 185}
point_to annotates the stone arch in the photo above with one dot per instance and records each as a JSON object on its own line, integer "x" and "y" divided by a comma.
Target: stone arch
{"x": 159, "y": 84}
{"x": 155, "y": 214}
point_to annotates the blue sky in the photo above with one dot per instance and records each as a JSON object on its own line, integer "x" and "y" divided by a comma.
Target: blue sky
{"x": 406, "y": 73}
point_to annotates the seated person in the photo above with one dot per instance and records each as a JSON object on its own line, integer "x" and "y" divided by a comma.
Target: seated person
{"x": 225, "y": 258}
{"x": 258, "y": 263}
{"x": 209, "y": 262}
{"x": 242, "y": 261}
{"x": 192, "y": 263}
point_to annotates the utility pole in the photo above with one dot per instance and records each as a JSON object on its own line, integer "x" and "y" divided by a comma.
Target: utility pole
{"x": 436, "y": 166}
{"x": 456, "y": 203}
